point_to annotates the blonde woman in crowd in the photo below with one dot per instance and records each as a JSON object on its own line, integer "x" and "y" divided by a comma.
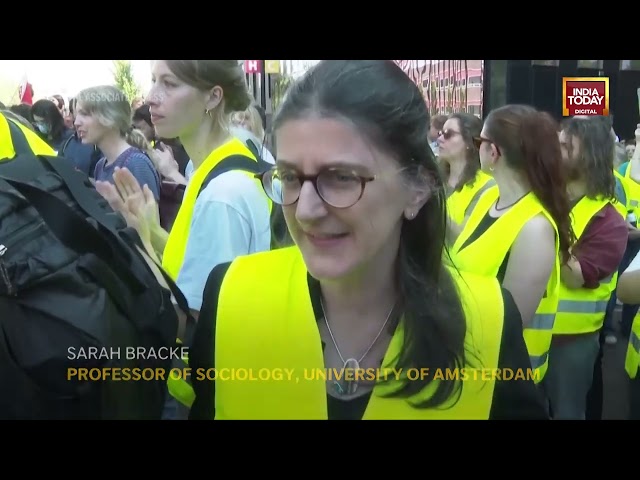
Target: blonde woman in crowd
{"x": 103, "y": 118}
{"x": 251, "y": 128}
{"x": 218, "y": 220}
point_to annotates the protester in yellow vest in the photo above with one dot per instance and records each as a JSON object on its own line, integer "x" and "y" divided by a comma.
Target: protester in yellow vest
{"x": 192, "y": 100}
{"x": 590, "y": 276}
{"x": 630, "y": 173}
{"x": 10, "y": 145}
{"x": 628, "y": 196}
{"x": 629, "y": 293}
{"x": 319, "y": 324}
{"x": 519, "y": 230}
{"x": 460, "y": 161}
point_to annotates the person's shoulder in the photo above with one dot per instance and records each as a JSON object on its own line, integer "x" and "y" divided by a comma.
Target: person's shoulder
{"x": 135, "y": 153}
{"x": 609, "y": 216}
{"x": 540, "y": 226}
{"x": 233, "y": 187}
{"x": 136, "y": 158}
{"x": 258, "y": 262}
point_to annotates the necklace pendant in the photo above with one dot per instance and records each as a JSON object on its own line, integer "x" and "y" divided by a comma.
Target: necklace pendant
{"x": 351, "y": 364}
{"x": 350, "y": 371}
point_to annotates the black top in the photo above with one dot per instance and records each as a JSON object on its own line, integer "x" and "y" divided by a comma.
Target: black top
{"x": 514, "y": 399}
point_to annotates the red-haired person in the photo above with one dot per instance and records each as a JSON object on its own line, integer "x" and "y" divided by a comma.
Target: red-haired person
{"x": 520, "y": 229}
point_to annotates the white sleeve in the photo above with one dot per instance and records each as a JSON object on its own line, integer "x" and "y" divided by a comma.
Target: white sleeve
{"x": 634, "y": 265}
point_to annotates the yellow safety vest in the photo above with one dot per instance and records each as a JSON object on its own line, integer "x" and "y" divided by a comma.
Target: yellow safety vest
{"x": 485, "y": 255}
{"x": 176, "y": 246}
{"x": 632, "y": 361}
{"x": 8, "y": 143}
{"x": 265, "y": 322}
{"x": 632, "y": 194}
{"x": 582, "y": 310}
{"x": 632, "y": 191}
{"x": 460, "y": 203}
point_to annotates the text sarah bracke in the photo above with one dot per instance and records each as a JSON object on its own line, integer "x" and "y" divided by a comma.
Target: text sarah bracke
{"x": 128, "y": 353}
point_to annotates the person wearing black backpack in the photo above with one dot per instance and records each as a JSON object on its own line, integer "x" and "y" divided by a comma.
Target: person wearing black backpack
{"x": 225, "y": 212}
{"x": 9, "y": 122}
{"x": 78, "y": 293}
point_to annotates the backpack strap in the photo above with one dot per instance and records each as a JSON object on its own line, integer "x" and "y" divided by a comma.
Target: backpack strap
{"x": 234, "y": 162}
{"x": 253, "y": 148}
{"x": 257, "y": 152}
{"x": 18, "y": 139}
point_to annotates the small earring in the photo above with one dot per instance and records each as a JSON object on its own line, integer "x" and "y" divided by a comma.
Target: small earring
{"x": 491, "y": 169}
{"x": 208, "y": 112}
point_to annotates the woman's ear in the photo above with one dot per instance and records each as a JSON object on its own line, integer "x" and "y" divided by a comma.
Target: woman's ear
{"x": 214, "y": 98}
{"x": 420, "y": 191}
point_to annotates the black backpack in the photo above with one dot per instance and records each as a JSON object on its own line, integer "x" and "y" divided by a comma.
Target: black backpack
{"x": 76, "y": 294}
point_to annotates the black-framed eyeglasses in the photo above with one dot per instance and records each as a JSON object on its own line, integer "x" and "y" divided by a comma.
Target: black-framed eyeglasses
{"x": 338, "y": 187}
{"x": 448, "y": 133}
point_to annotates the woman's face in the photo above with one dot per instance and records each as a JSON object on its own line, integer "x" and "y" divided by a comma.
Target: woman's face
{"x": 341, "y": 242}
{"x": 88, "y": 128}
{"x": 42, "y": 125}
{"x": 450, "y": 142}
{"x": 177, "y": 109}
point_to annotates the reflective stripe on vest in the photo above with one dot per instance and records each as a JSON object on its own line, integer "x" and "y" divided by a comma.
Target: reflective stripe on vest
{"x": 582, "y": 310}
{"x": 176, "y": 246}
{"x": 623, "y": 199}
{"x": 487, "y": 253}
{"x": 460, "y": 202}
{"x": 32, "y": 140}
{"x": 265, "y": 322}
{"x": 632, "y": 361}
{"x": 621, "y": 189}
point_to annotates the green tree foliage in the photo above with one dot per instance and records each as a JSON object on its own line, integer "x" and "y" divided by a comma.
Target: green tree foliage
{"x": 124, "y": 79}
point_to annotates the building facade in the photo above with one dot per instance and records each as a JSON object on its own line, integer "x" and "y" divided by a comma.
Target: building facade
{"x": 448, "y": 86}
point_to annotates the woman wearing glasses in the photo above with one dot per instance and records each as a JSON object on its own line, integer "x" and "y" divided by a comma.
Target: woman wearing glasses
{"x": 360, "y": 319}
{"x": 465, "y": 182}
{"x": 520, "y": 229}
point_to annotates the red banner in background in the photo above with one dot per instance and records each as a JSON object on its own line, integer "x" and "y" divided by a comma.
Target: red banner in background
{"x": 26, "y": 93}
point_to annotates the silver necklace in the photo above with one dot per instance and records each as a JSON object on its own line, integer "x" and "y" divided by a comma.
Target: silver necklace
{"x": 349, "y": 386}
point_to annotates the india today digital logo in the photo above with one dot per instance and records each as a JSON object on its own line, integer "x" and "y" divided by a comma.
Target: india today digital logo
{"x": 585, "y": 96}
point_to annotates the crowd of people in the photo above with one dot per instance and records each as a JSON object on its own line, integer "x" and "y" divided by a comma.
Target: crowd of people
{"x": 414, "y": 243}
